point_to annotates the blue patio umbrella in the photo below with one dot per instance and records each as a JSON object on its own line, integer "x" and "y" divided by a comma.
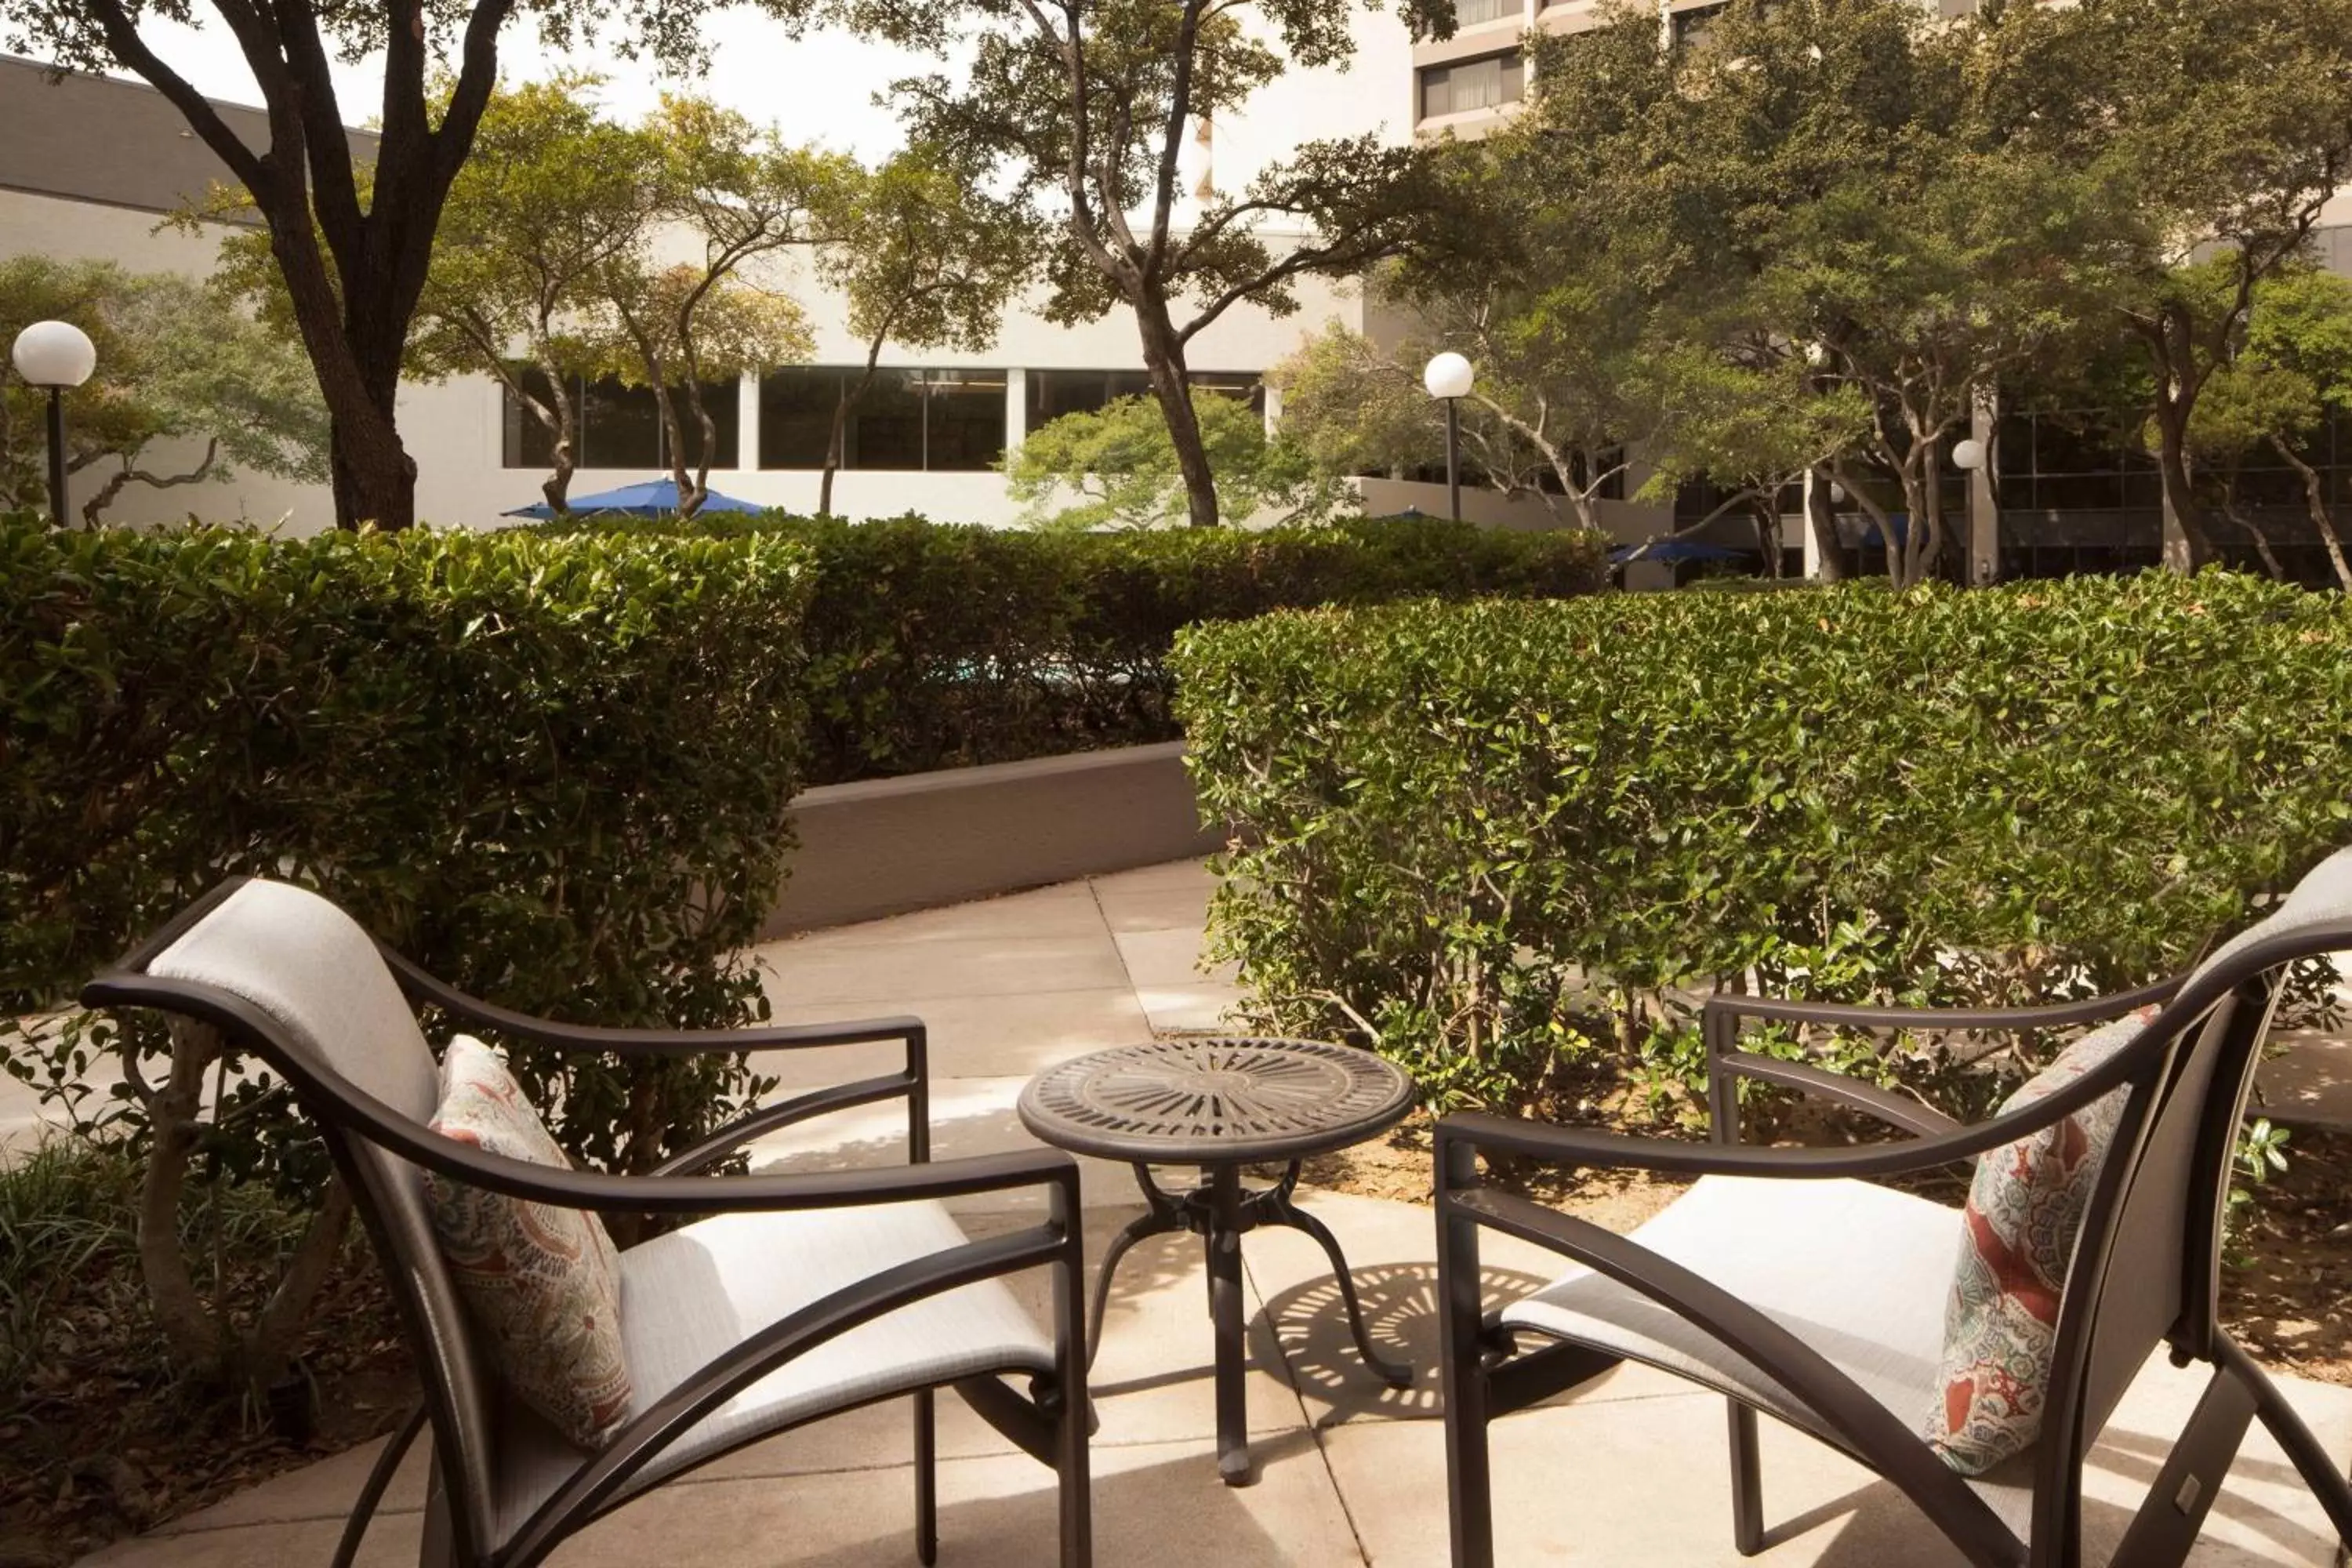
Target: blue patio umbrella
{"x": 1675, "y": 550}
{"x": 652, "y": 498}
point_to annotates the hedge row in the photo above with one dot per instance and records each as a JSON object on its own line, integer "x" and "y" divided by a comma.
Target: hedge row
{"x": 555, "y": 771}
{"x": 935, "y": 646}
{"x": 1502, "y": 839}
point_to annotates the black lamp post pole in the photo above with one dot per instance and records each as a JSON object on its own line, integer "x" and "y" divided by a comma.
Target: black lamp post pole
{"x": 1453, "y": 456}
{"x": 58, "y": 457}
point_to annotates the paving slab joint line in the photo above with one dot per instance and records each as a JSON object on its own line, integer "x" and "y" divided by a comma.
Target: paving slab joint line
{"x": 1314, "y": 1429}
{"x": 1094, "y": 893}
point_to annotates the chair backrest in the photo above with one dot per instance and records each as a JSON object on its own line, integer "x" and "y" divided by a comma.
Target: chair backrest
{"x": 2151, "y": 1242}
{"x": 325, "y": 997}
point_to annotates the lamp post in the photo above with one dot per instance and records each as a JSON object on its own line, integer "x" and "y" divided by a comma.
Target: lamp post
{"x": 1449, "y": 376}
{"x": 55, "y": 356}
{"x": 1968, "y": 457}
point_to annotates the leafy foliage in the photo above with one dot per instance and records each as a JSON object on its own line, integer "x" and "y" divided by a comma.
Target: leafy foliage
{"x": 1115, "y": 466}
{"x": 179, "y": 366}
{"x": 1500, "y": 840}
{"x": 554, "y": 771}
{"x": 933, "y": 646}
{"x": 1083, "y": 111}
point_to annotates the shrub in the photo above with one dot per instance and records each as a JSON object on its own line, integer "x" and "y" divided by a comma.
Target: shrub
{"x": 935, "y": 646}
{"x": 1500, "y": 838}
{"x": 553, "y": 770}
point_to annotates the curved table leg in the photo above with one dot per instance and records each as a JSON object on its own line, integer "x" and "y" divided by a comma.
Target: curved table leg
{"x": 1158, "y": 1222}
{"x": 1284, "y": 1212}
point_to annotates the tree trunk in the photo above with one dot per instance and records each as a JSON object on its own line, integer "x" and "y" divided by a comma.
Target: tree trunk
{"x": 1820, "y": 517}
{"x": 1767, "y": 513}
{"x": 836, "y": 447}
{"x": 189, "y": 1328}
{"x": 1163, "y": 358}
{"x": 2187, "y": 546}
{"x": 2271, "y": 563}
{"x": 2315, "y": 498}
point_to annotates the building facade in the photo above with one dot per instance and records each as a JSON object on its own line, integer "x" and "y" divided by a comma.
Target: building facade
{"x": 91, "y": 167}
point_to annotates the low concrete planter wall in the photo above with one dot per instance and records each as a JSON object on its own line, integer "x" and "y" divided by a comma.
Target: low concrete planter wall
{"x": 883, "y": 846}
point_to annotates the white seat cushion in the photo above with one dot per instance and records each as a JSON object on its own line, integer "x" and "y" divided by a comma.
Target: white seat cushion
{"x": 1858, "y": 1272}
{"x": 696, "y": 1293}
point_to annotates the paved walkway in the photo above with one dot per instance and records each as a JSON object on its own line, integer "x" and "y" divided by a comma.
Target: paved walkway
{"x": 1628, "y": 1470}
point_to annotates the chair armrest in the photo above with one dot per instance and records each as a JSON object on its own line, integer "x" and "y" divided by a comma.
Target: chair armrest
{"x": 1843, "y": 1089}
{"x": 762, "y": 1121}
{"x": 607, "y": 1193}
{"x": 1719, "y": 1023}
{"x": 1459, "y": 1136}
{"x": 422, "y": 987}
{"x": 2056, "y": 1015}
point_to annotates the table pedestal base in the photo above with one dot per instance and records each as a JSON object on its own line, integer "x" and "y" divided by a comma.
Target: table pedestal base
{"x": 1220, "y": 1212}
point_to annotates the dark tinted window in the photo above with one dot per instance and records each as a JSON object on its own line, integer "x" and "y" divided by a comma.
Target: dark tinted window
{"x": 796, "y": 416}
{"x": 1053, "y": 392}
{"x": 965, "y": 419}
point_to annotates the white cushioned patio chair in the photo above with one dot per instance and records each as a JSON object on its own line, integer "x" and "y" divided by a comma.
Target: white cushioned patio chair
{"x": 804, "y": 1295}
{"x": 1786, "y": 1281}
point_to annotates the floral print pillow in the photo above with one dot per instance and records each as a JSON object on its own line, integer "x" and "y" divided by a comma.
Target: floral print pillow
{"x": 2025, "y": 1211}
{"x": 543, "y": 1282}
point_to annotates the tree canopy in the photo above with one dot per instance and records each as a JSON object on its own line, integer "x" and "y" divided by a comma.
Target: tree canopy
{"x": 1082, "y": 110}
{"x": 188, "y": 387}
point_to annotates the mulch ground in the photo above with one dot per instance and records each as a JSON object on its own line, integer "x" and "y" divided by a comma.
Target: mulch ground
{"x": 90, "y": 1453}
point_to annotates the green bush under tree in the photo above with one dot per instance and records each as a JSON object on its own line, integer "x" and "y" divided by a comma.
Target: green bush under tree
{"x": 1515, "y": 845}
{"x": 933, "y": 646}
{"x": 554, "y": 771}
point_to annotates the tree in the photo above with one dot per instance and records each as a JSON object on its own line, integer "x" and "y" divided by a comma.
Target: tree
{"x": 1836, "y": 197}
{"x": 924, "y": 258}
{"x": 744, "y": 195}
{"x": 1086, "y": 107}
{"x": 2291, "y": 368}
{"x": 1117, "y": 468}
{"x": 2229, "y": 127}
{"x": 553, "y": 196}
{"x": 177, "y": 362}
{"x": 352, "y": 227}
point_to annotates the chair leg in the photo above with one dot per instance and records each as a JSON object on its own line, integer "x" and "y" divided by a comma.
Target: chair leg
{"x": 1074, "y": 1420}
{"x": 347, "y": 1550}
{"x": 1469, "y": 1491}
{"x": 926, "y": 1478}
{"x": 2327, "y": 1482}
{"x": 1746, "y": 1482}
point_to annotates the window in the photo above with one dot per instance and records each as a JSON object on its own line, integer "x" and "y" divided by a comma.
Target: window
{"x": 1692, "y": 26}
{"x": 1470, "y": 13}
{"x": 1471, "y": 84}
{"x": 907, "y": 420}
{"x": 1053, "y": 392}
{"x": 620, "y": 426}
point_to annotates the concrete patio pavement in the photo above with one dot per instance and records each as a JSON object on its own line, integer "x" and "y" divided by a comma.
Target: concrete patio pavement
{"x": 1628, "y": 1471}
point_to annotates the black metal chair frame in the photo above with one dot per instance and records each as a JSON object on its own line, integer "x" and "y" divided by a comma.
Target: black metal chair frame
{"x": 2105, "y": 1328}
{"x": 1051, "y": 1423}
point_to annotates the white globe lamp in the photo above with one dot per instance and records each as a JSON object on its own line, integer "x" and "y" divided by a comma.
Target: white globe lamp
{"x": 55, "y": 356}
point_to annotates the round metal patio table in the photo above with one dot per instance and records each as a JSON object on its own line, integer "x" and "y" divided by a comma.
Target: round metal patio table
{"x": 1220, "y": 1103}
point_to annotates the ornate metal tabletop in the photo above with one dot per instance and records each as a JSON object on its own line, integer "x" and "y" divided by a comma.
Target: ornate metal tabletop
{"x": 1221, "y": 1103}
{"x": 1215, "y": 1101}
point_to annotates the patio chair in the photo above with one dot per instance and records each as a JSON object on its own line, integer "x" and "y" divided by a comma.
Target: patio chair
{"x": 1786, "y": 1281}
{"x": 845, "y": 1288}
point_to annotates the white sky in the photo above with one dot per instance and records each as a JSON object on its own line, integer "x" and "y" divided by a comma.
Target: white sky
{"x": 821, "y": 88}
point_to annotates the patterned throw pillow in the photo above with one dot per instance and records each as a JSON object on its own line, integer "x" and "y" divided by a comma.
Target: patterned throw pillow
{"x": 544, "y": 1282}
{"x": 2025, "y": 1211}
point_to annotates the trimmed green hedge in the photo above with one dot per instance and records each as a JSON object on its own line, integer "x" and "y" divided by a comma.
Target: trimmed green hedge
{"x": 934, "y": 645}
{"x": 1501, "y": 839}
{"x": 554, "y": 771}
